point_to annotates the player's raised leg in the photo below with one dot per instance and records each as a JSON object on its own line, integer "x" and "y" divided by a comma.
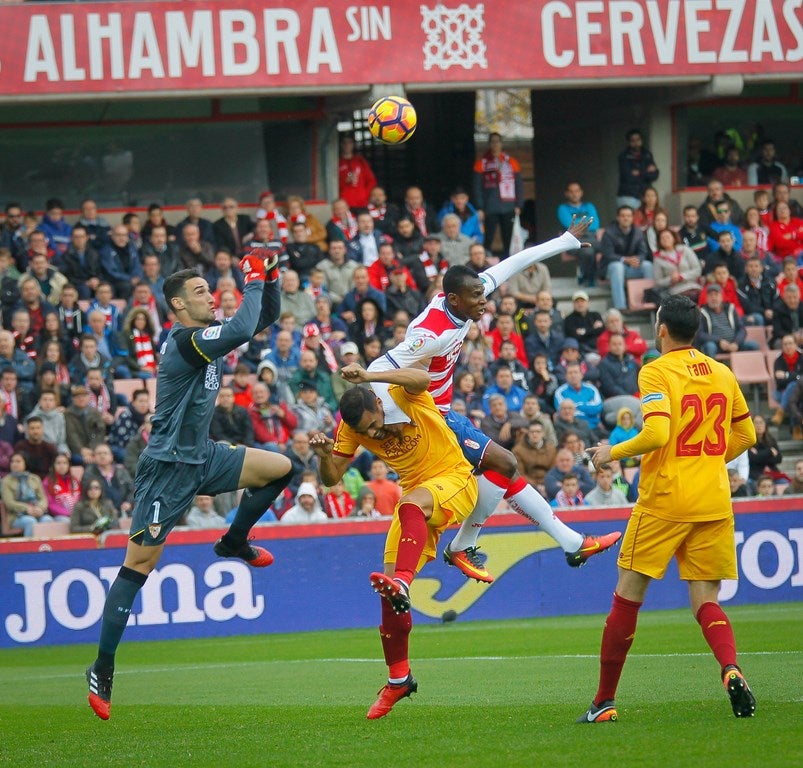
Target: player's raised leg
{"x": 264, "y": 476}
{"x": 498, "y": 462}
{"x": 462, "y": 551}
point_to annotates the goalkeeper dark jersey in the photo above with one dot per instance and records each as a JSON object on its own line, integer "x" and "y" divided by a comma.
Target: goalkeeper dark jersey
{"x": 189, "y": 378}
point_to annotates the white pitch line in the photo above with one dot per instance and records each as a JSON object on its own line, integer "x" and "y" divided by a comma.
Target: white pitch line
{"x": 378, "y": 660}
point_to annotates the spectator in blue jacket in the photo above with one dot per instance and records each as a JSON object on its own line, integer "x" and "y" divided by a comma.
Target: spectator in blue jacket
{"x": 503, "y": 385}
{"x": 55, "y": 227}
{"x": 585, "y": 396}
{"x": 459, "y": 204}
{"x": 723, "y": 223}
{"x": 16, "y": 360}
{"x": 576, "y": 206}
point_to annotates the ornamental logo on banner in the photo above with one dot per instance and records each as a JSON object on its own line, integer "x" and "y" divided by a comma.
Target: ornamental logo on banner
{"x": 454, "y": 36}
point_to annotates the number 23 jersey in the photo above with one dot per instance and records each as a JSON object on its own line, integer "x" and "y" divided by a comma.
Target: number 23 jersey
{"x": 686, "y": 480}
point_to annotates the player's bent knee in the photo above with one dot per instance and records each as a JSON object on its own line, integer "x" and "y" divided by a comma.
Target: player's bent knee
{"x": 142, "y": 559}
{"x": 421, "y": 498}
{"x": 263, "y": 467}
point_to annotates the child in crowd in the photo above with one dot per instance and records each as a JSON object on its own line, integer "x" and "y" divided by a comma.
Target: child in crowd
{"x": 569, "y": 494}
{"x": 625, "y": 429}
{"x": 366, "y": 504}
{"x": 765, "y": 486}
{"x": 337, "y": 502}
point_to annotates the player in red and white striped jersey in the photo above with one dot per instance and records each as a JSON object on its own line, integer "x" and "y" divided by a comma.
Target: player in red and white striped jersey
{"x": 433, "y": 341}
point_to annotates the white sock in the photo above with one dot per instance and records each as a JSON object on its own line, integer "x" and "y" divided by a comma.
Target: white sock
{"x": 532, "y": 505}
{"x": 488, "y": 500}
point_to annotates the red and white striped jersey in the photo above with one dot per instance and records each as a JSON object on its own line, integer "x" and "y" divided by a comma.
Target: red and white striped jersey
{"x": 433, "y": 341}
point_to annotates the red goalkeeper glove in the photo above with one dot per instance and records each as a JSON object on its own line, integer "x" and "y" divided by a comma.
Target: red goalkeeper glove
{"x": 252, "y": 265}
{"x": 268, "y": 254}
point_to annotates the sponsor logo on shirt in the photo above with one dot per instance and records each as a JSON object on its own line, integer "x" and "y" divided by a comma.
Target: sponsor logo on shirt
{"x": 415, "y": 345}
{"x": 651, "y": 397}
{"x": 471, "y": 444}
{"x": 212, "y": 333}
{"x": 395, "y": 448}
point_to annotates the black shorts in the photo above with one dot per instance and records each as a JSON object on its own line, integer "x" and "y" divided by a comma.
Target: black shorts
{"x": 164, "y": 490}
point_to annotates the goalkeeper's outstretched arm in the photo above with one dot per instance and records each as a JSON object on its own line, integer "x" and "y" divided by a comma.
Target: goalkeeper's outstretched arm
{"x": 271, "y": 299}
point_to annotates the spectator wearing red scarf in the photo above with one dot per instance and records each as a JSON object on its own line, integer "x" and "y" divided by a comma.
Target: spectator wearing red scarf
{"x": 786, "y": 370}
{"x": 343, "y": 224}
{"x": 338, "y": 503}
{"x": 141, "y": 343}
{"x": 62, "y": 489}
{"x": 498, "y": 191}
{"x": 730, "y": 291}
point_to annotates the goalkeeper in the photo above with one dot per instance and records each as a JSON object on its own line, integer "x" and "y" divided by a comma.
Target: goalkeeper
{"x": 180, "y": 460}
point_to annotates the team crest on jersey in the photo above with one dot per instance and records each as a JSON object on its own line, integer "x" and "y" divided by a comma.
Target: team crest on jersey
{"x": 471, "y": 443}
{"x": 154, "y": 530}
{"x": 212, "y": 333}
{"x": 415, "y": 345}
{"x": 652, "y": 397}
{"x": 211, "y": 380}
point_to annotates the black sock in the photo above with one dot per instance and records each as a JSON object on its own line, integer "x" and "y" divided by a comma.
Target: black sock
{"x": 115, "y": 614}
{"x": 252, "y": 506}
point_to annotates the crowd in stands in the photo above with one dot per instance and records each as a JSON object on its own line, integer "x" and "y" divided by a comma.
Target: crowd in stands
{"x": 84, "y": 318}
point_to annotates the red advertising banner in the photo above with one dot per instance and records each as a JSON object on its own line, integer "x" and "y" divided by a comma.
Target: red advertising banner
{"x": 59, "y": 50}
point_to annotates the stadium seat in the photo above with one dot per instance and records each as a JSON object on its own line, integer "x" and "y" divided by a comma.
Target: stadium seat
{"x": 121, "y": 304}
{"x": 6, "y": 527}
{"x": 127, "y": 387}
{"x": 751, "y": 368}
{"x": 757, "y": 333}
{"x": 51, "y": 530}
{"x": 635, "y": 295}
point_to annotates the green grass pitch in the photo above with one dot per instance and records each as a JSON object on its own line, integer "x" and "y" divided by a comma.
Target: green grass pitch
{"x": 490, "y": 694}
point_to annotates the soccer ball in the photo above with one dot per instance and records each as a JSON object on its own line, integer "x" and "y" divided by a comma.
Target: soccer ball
{"x": 392, "y": 119}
